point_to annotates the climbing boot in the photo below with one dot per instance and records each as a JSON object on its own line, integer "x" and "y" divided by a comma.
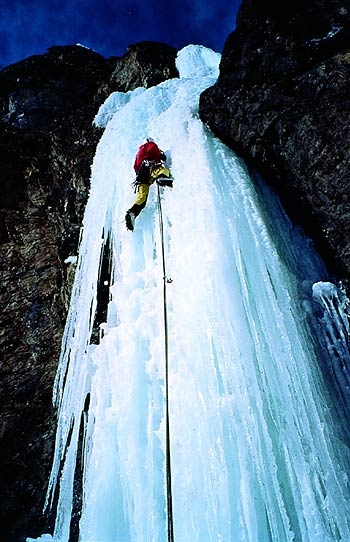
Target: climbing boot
{"x": 130, "y": 221}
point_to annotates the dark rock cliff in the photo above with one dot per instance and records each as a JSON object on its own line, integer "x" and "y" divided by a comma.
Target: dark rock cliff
{"x": 282, "y": 102}
{"x": 47, "y": 143}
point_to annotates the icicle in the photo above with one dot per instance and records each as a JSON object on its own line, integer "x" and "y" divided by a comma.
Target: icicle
{"x": 333, "y": 310}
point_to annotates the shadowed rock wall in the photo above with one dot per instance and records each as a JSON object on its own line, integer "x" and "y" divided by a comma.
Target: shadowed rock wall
{"x": 282, "y": 102}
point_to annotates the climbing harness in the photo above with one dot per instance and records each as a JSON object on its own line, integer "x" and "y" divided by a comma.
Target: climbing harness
{"x": 166, "y": 280}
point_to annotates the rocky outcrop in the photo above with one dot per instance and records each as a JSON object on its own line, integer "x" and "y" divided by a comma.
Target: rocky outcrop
{"x": 282, "y": 102}
{"x": 47, "y": 144}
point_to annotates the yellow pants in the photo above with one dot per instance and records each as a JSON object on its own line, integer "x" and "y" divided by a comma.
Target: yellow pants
{"x": 141, "y": 199}
{"x": 157, "y": 170}
{"x": 141, "y": 194}
{"x": 142, "y": 189}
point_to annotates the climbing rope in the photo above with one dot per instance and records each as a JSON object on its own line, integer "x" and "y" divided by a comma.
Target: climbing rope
{"x": 166, "y": 280}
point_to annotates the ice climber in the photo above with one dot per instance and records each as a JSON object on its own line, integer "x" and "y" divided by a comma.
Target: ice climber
{"x": 149, "y": 166}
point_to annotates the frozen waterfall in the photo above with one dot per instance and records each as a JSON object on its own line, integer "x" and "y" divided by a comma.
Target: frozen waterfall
{"x": 258, "y": 356}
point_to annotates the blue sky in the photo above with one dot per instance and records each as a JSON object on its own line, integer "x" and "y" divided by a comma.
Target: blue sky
{"x": 29, "y": 27}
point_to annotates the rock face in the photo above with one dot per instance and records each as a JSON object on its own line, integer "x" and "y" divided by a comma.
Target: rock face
{"x": 47, "y": 144}
{"x": 282, "y": 102}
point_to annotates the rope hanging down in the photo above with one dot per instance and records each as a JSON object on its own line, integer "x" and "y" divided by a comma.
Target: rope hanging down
{"x": 169, "y": 500}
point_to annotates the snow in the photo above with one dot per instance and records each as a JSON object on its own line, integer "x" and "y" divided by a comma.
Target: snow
{"x": 329, "y": 35}
{"x": 71, "y": 260}
{"x": 259, "y": 443}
